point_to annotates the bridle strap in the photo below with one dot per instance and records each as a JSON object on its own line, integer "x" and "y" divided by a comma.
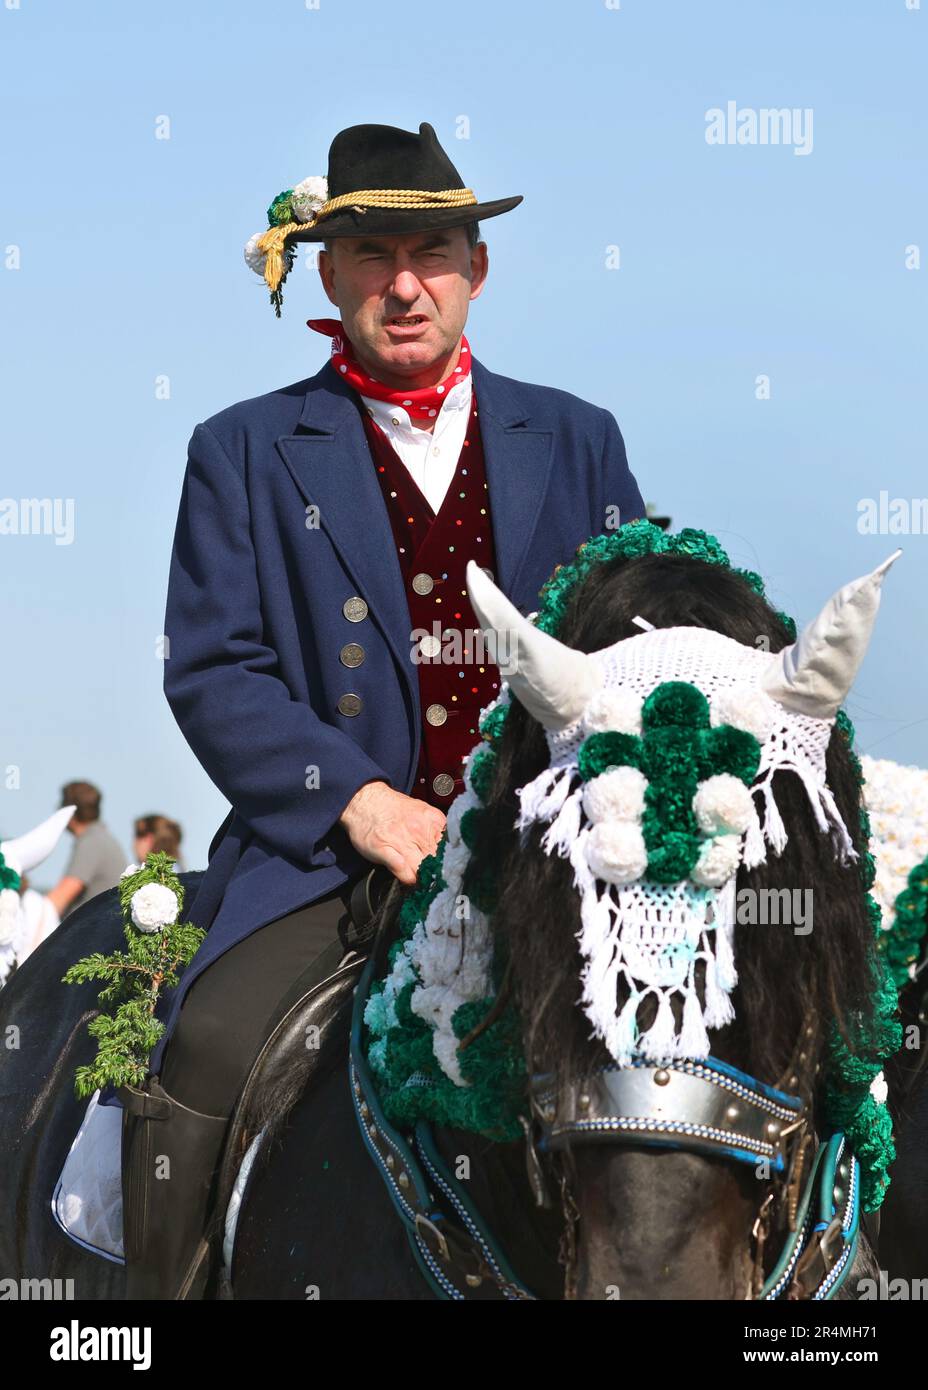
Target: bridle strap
{"x": 820, "y": 1252}
{"x": 455, "y": 1251}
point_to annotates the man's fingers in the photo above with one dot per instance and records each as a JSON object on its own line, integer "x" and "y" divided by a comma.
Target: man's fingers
{"x": 399, "y": 865}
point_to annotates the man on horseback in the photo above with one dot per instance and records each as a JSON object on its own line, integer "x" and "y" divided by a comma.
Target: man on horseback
{"x": 315, "y": 613}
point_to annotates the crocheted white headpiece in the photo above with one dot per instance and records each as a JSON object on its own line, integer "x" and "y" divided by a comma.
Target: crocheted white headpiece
{"x": 646, "y": 934}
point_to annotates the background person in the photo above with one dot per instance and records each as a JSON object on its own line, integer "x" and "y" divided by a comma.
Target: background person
{"x": 97, "y": 858}
{"x": 156, "y": 834}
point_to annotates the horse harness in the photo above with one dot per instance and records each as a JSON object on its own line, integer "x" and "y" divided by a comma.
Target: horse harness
{"x": 704, "y": 1107}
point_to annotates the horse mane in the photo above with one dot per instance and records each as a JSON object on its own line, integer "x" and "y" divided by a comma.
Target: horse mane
{"x": 785, "y": 980}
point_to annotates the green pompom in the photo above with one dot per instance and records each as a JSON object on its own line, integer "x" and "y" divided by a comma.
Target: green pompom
{"x": 909, "y": 906}
{"x": 675, "y": 702}
{"x": 281, "y": 210}
{"x": 875, "y": 913}
{"x": 918, "y": 878}
{"x": 413, "y": 910}
{"x": 470, "y": 826}
{"x": 428, "y": 875}
{"x": 492, "y": 724}
{"x": 789, "y": 623}
{"x": 670, "y": 754}
{"x": 483, "y": 770}
{"x": 727, "y": 749}
{"x": 480, "y": 886}
{"x": 639, "y": 537}
{"x": 9, "y": 878}
{"x": 843, "y": 725}
{"x": 752, "y": 579}
{"x": 609, "y": 749}
{"x": 700, "y": 545}
{"x": 669, "y": 808}
{"x": 674, "y": 859}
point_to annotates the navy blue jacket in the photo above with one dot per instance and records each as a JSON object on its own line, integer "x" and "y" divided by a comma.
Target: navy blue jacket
{"x": 255, "y": 619}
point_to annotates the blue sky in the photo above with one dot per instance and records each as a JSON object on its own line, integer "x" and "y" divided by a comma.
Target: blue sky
{"x": 736, "y": 262}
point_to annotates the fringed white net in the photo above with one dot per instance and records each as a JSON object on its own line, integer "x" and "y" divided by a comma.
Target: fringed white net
{"x": 641, "y": 939}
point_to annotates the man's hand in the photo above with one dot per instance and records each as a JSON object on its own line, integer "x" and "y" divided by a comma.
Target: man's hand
{"x": 393, "y": 829}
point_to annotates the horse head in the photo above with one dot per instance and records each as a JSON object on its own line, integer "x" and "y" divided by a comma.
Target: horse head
{"x": 619, "y": 886}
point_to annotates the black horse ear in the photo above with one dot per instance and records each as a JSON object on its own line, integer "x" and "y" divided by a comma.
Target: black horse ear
{"x": 554, "y": 682}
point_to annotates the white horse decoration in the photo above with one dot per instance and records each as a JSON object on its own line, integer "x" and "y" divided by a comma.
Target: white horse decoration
{"x": 22, "y": 928}
{"x": 896, "y": 798}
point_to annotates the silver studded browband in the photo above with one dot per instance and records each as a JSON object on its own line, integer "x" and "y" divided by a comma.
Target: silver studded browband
{"x": 705, "y": 1107}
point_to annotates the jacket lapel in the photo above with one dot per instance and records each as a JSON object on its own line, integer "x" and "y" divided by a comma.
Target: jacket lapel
{"x": 518, "y": 464}
{"x": 331, "y": 465}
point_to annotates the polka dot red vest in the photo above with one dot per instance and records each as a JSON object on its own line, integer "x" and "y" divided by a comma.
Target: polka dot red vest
{"x": 456, "y": 678}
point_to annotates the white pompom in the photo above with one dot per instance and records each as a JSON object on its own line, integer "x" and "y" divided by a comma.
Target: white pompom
{"x": 466, "y": 801}
{"x": 718, "y": 860}
{"x": 616, "y": 852}
{"x": 723, "y": 805}
{"x": 255, "y": 258}
{"x": 748, "y": 708}
{"x": 454, "y": 861}
{"x": 308, "y": 197}
{"x": 615, "y": 795}
{"x": 618, "y": 710}
{"x": 153, "y": 907}
{"x": 879, "y": 1089}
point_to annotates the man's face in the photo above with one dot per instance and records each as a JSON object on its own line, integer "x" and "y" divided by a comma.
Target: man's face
{"x": 404, "y": 299}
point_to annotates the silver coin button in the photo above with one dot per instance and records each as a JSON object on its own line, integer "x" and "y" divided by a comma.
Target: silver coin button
{"x": 355, "y": 609}
{"x": 351, "y": 654}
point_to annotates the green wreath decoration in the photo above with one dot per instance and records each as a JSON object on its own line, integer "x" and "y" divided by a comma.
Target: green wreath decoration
{"x": 413, "y": 1086}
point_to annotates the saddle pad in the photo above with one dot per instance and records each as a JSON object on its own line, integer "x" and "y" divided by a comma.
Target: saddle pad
{"x": 87, "y": 1202}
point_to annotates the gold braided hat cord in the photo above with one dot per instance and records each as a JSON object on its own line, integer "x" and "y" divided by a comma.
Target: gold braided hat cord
{"x": 273, "y": 240}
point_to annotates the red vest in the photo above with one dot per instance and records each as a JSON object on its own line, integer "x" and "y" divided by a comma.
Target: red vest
{"x": 456, "y": 680}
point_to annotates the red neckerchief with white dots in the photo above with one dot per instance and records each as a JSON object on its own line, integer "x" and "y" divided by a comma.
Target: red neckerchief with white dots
{"x": 422, "y": 401}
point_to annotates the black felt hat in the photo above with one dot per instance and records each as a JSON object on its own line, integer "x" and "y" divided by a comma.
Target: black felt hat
{"x": 383, "y": 160}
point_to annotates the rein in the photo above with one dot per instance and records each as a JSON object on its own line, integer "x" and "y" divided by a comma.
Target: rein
{"x": 705, "y": 1107}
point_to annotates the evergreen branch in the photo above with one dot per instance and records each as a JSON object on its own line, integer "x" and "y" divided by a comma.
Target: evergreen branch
{"x": 159, "y": 946}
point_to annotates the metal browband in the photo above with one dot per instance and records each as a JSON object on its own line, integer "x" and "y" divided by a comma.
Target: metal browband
{"x": 708, "y": 1107}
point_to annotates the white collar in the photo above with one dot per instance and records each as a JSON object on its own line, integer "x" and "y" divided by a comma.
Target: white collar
{"x": 456, "y": 398}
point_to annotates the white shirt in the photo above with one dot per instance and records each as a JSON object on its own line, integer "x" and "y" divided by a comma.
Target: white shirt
{"x": 431, "y": 456}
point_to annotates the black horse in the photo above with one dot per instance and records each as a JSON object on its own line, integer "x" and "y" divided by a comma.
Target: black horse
{"x": 316, "y": 1219}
